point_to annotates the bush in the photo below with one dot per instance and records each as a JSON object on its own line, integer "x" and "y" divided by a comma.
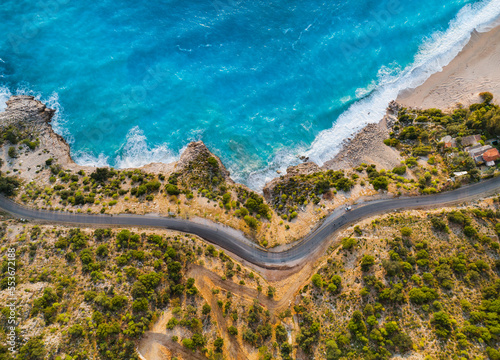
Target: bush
{"x": 400, "y": 170}
{"x": 332, "y": 350}
{"x": 34, "y": 349}
{"x": 206, "y": 309}
{"x": 219, "y": 342}
{"x": 367, "y": 262}
{"x": 422, "y": 295}
{"x": 406, "y": 231}
{"x": 8, "y": 185}
{"x": 439, "y": 224}
{"x": 140, "y": 305}
{"x": 422, "y": 150}
{"x": 102, "y": 250}
{"x": 76, "y": 330}
{"x": 317, "y": 280}
{"x": 348, "y": 243}
{"x": 493, "y": 354}
{"x": 442, "y": 323}
{"x": 337, "y": 280}
{"x": 380, "y": 182}
{"x": 411, "y": 162}
{"x": 101, "y": 174}
{"x": 172, "y": 190}
{"x": 391, "y": 142}
{"x": 188, "y": 343}
{"x": 459, "y": 218}
{"x": 12, "y": 152}
{"x": 251, "y": 221}
{"x": 486, "y": 97}
{"x": 470, "y": 231}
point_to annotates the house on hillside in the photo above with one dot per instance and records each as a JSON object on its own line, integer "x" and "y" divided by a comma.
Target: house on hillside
{"x": 449, "y": 142}
{"x": 490, "y": 156}
{"x": 483, "y": 154}
{"x": 471, "y": 140}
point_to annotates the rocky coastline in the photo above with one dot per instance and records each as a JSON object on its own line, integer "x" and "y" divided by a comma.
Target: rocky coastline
{"x": 27, "y": 110}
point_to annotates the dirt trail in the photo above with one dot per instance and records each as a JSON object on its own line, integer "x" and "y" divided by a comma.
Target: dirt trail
{"x": 205, "y": 285}
{"x": 150, "y": 350}
{"x": 200, "y": 274}
{"x": 207, "y": 280}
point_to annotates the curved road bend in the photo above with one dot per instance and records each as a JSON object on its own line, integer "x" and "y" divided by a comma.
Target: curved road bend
{"x": 253, "y": 254}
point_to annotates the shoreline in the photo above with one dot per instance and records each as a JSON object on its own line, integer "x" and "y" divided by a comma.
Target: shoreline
{"x": 472, "y": 71}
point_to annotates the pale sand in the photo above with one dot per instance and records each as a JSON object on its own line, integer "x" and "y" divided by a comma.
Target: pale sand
{"x": 475, "y": 69}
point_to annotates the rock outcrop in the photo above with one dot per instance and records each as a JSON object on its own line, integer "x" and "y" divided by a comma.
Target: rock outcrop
{"x": 197, "y": 151}
{"x": 300, "y": 169}
{"x": 25, "y": 110}
{"x": 31, "y": 115}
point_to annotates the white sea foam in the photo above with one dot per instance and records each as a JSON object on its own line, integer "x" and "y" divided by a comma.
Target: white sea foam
{"x": 134, "y": 153}
{"x": 52, "y": 101}
{"x": 435, "y": 53}
{"x": 4, "y": 96}
{"x": 86, "y": 159}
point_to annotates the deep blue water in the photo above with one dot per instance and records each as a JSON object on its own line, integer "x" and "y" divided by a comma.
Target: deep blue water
{"x": 258, "y": 81}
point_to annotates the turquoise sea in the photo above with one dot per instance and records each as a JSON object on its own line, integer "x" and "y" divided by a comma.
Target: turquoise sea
{"x": 260, "y": 82}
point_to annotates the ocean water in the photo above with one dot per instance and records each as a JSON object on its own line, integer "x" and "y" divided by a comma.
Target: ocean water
{"x": 259, "y": 82}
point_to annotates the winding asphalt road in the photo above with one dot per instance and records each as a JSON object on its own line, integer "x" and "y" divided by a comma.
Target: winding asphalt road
{"x": 227, "y": 239}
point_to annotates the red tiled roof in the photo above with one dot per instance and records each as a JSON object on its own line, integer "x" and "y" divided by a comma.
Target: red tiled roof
{"x": 491, "y": 155}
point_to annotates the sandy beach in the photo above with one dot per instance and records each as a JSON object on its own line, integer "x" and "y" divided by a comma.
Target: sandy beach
{"x": 473, "y": 70}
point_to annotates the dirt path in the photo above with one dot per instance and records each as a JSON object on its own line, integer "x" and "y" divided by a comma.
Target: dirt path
{"x": 205, "y": 281}
{"x": 150, "y": 350}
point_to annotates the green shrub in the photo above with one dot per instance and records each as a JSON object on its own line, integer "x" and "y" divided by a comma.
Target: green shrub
{"x": 399, "y": 170}
{"x": 486, "y": 97}
{"x": 12, "y": 152}
{"x": 442, "y": 323}
{"x": 406, "y": 231}
{"x": 317, "y": 280}
{"x": 422, "y": 295}
{"x": 391, "y": 142}
{"x": 367, "y": 262}
{"x": 470, "y": 231}
{"x": 172, "y": 189}
{"x": 76, "y": 331}
{"x": 439, "y": 224}
{"x": 348, "y": 243}
{"x": 380, "y": 182}
{"x": 251, "y": 221}
{"x": 459, "y": 218}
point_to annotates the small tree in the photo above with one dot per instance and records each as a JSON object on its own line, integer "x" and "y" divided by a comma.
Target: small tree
{"x": 219, "y": 344}
{"x": 206, "y": 309}
{"x": 486, "y": 97}
{"x": 12, "y": 152}
{"x": 442, "y": 323}
{"x": 367, "y": 262}
{"x": 317, "y": 280}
